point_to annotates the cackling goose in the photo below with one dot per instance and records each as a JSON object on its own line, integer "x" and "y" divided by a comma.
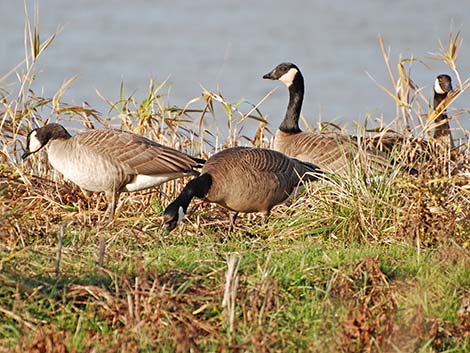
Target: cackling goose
{"x": 332, "y": 152}
{"x": 110, "y": 160}
{"x": 242, "y": 179}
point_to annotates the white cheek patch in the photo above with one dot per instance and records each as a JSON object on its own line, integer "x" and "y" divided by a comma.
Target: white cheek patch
{"x": 437, "y": 87}
{"x": 34, "y": 143}
{"x": 180, "y": 215}
{"x": 288, "y": 77}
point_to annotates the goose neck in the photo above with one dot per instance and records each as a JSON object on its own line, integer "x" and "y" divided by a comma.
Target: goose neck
{"x": 290, "y": 124}
{"x": 444, "y": 128}
{"x": 438, "y": 98}
{"x": 198, "y": 187}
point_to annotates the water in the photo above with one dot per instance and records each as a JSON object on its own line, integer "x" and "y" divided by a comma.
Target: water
{"x": 230, "y": 45}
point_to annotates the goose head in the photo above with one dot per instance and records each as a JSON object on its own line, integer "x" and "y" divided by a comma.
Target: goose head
{"x": 443, "y": 84}
{"x": 39, "y": 137}
{"x": 285, "y": 72}
{"x": 173, "y": 216}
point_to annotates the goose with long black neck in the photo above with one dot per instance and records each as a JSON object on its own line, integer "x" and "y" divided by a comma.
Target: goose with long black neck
{"x": 442, "y": 87}
{"x": 390, "y": 141}
{"x": 332, "y": 152}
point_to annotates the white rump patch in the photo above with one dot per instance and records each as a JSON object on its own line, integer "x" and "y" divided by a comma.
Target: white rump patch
{"x": 34, "y": 144}
{"x": 437, "y": 87}
{"x": 180, "y": 215}
{"x": 288, "y": 77}
{"x": 142, "y": 182}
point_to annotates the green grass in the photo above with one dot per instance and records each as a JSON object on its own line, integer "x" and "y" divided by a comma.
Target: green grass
{"x": 292, "y": 294}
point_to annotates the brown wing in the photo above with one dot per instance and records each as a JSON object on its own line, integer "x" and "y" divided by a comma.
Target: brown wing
{"x": 252, "y": 179}
{"x": 134, "y": 153}
{"x": 330, "y": 151}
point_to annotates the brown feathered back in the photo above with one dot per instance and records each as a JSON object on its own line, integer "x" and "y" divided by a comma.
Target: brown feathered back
{"x": 253, "y": 179}
{"x": 331, "y": 152}
{"x": 136, "y": 154}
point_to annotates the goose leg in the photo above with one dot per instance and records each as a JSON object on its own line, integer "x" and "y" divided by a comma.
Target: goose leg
{"x": 264, "y": 217}
{"x": 233, "y": 218}
{"x": 112, "y": 198}
{"x": 101, "y": 251}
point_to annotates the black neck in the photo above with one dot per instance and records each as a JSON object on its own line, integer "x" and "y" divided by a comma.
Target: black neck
{"x": 443, "y": 129}
{"x": 438, "y": 98}
{"x": 290, "y": 124}
{"x": 198, "y": 187}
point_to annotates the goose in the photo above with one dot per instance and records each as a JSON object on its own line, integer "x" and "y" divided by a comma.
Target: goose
{"x": 110, "y": 160}
{"x": 442, "y": 87}
{"x": 331, "y": 152}
{"x": 420, "y": 148}
{"x": 242, "y": 179}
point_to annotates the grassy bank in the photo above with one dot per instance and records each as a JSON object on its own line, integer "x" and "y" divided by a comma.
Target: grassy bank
{"x": 162, "y": 294}
{"x": 379, "y": 265}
